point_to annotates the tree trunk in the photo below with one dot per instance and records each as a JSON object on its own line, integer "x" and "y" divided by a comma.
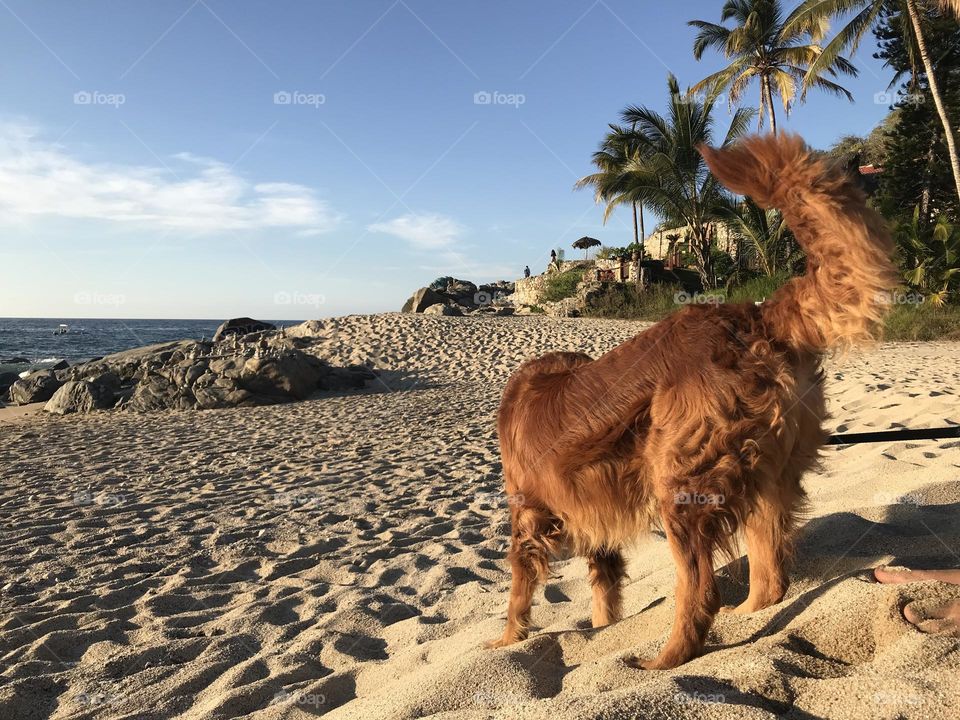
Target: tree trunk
{"x": 643, "y": 233}
{"x": 771, "y": 110}
{"x": 935, "y": 92}
{"x": 700, "y": 244}
{"x": 636, "y": 231}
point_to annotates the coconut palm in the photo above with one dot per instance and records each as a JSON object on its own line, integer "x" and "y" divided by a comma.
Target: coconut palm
{"x": 665, "y": 172}
{"x": 761, "y": 48}
{"x": 610, "y": 161}
{"x": 761, "y": 231}
{"x": 813, "y": 16}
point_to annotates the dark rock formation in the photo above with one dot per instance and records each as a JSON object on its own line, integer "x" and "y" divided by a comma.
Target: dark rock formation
{"x": 241, "y": 326}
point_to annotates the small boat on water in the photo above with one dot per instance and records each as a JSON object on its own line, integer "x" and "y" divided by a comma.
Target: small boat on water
{"x": 62, "y": 329}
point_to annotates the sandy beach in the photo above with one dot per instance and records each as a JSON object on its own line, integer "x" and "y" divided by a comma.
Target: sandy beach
{"x": 344, "y": 556}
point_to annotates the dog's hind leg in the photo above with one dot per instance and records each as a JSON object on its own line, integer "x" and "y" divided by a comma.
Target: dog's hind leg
{"x": 535, "y": 536}
{"x": 768, "y": 532}
{"x": 607, "y": 571}
{"x": 697, "y": 597}
{"x": 770, "y": 529}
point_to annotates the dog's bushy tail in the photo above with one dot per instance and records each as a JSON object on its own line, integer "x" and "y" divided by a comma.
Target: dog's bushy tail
{"x": 842, "y": 298}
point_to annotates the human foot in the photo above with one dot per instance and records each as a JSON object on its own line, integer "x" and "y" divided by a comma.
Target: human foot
{"x": 943, "y": 619}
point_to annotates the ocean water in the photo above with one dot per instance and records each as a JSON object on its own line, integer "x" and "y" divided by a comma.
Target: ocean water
{"x": 33, "y": 339}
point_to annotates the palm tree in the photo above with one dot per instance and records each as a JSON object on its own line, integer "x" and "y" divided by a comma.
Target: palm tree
{"x": 664, "y": 170}
{"x": 813, "y": 16}
{"x": 611, "y": 160}
{"x": 761, "y": 47}
{"x": 762, "y": 231}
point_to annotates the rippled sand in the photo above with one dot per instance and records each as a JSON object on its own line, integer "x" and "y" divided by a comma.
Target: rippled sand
{"x": 345, "y": 555}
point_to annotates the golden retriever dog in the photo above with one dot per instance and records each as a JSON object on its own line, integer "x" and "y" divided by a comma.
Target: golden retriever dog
{"x": 701, "y": 425}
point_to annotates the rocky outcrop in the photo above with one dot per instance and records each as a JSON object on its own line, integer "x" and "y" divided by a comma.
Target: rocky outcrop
{"x": 261, "y": 368}
{"x": 241, "y": 326}
{"x": 36, "y": 387}
{"x": 461, "y": 296}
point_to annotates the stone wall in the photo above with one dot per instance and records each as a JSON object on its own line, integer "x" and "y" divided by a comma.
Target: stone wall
{"x": 527, "y": 291}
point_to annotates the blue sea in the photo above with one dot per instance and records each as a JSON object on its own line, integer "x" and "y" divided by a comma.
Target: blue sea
{"x": 32, "y": 342}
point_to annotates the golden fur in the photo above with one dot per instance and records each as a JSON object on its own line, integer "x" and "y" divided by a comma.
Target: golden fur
{"x": 702, "y": 425}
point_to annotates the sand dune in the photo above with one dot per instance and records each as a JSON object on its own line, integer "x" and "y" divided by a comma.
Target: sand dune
{"x": 344, "y": 556}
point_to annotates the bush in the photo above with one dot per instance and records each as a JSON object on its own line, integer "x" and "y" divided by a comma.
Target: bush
{"x": 628, "y": 301}
{"x": 922, "y": 322}
{"x": 560, "y": 286}
{"x": 756, "y": 289}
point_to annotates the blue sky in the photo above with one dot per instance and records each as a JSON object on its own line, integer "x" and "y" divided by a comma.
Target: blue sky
{"x": 215, "y": 158}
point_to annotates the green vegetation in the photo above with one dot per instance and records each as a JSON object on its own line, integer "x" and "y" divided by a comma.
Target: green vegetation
{"x": 649, "y": 159}
{"x": 616, "y": 300}
{"x": 922, "y": 322}
{"x": 560, "y": 286}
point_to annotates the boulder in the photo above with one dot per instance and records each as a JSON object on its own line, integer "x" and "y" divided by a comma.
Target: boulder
{"x": 80, "y": 396}
{"x": 289, "y": 374}
{"x": 17, "y": 360}
{"x": 241, "y": 326}
{"x": 443, "y": 309}
{"x": 35, "y": 387}
{"x": 62, "y": 365}
{"x": 422, "y": 299}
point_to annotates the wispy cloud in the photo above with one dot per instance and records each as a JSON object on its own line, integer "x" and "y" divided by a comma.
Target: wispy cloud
{"x": 190, "y": 193}
{"x": 424, "y": 231}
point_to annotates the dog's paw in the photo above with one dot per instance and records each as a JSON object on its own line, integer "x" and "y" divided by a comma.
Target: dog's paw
{"x": 498, "y": 643}
{"x": 638, "y": 663}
